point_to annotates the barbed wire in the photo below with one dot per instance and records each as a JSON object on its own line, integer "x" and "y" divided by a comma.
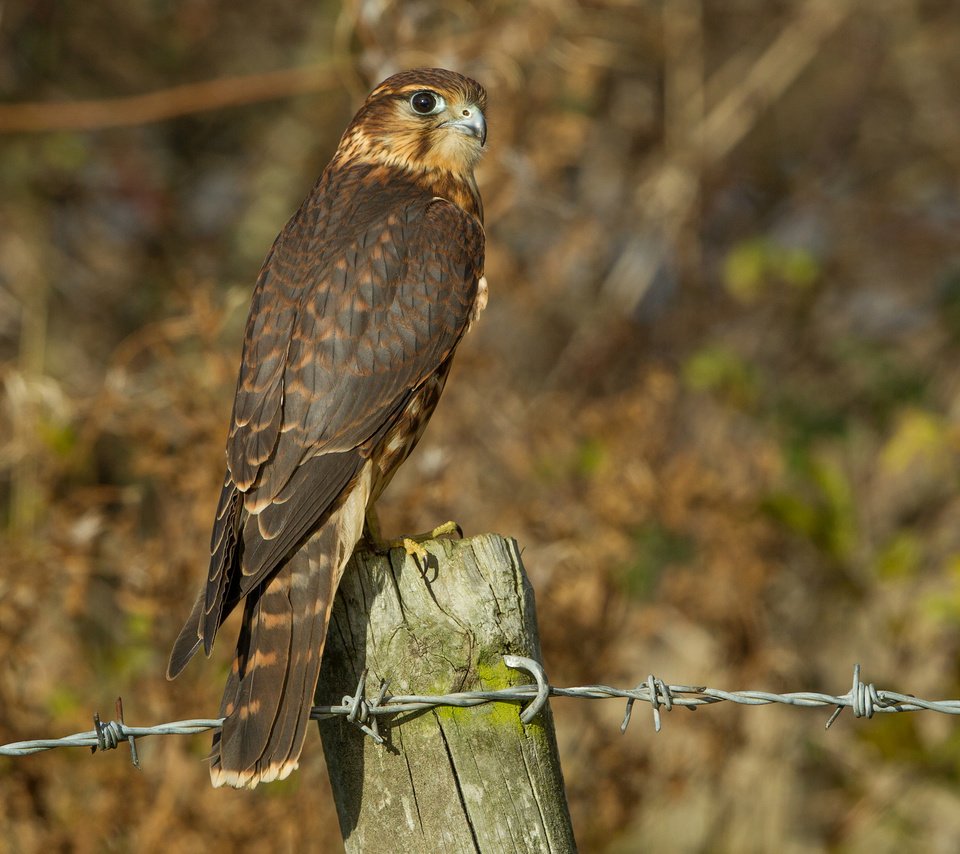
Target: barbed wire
{"x": 864, "y": 699}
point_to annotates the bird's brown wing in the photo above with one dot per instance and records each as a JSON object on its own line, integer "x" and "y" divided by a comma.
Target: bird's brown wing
{"x": 343, "y": 329}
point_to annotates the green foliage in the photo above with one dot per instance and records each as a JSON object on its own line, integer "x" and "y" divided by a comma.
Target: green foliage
{"x": 943, "y": 605}
{"x": 655, "y": 549}
{"x": 64, "y": 152}
{"x": 756, "y": 265}
{"x": 721, "y": 370}
{"x": 817, "y": 503}
{"x": 877, "y": 377}
{"x": 901, "y": 557}
{"x": 894, "y": 737}
{"x": 948, "y": 302}
{"x": 61, "y": 439}
{"x": 586, "y": 460}
{"x": 920, "y": 439}
{"x": 591, "y": 457}
{"x": 62, "y": 701}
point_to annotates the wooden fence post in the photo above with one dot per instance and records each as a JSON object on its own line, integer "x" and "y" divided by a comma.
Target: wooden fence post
{"x": 449, "y": 779}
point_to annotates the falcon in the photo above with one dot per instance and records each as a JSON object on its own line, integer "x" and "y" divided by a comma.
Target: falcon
{"x": 357, "y": 311}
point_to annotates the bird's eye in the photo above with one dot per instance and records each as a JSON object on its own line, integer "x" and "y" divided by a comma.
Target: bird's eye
{"x": 426, "y": 103}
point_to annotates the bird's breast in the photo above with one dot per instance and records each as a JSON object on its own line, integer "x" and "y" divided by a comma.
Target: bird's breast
{"x": 480, "y": 303}
{"x": 406, "y": 431}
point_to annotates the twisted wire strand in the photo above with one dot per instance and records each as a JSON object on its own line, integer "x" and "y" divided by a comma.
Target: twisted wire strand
{"x": 864, "y": 699}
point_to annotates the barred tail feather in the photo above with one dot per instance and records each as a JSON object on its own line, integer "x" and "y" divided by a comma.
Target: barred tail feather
{"x": 269, "y": 692}
{"x": 188, "y": 641}
{"x": 263, "y": 702}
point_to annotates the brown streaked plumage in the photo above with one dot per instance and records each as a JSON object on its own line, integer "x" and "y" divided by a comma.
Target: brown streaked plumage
{"x": 356, "y": 314}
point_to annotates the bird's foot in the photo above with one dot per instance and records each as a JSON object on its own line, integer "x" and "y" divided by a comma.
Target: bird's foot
{"x": 413, "y": 545}
{"x": 414, "y": 549}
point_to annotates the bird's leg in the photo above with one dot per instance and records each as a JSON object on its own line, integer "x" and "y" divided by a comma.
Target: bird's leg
{"x": 371, "y": 530}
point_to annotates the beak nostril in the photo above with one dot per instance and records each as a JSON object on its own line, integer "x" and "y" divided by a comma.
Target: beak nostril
{"x": 470, "y": 121}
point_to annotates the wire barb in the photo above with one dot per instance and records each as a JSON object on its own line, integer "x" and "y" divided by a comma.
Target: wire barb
{"x": 359, "y": 709}
{"x": 657, "y": 690}
{"x": 109, "y": 735}
{"x": 535, "y": 669}
{"x": 864, "y": 698}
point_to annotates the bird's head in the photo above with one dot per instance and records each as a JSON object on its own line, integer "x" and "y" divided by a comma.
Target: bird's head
{"x": 425, "y": 120}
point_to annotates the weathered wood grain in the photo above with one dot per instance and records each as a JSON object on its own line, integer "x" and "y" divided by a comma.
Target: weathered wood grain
{"x": 451, "y": 780}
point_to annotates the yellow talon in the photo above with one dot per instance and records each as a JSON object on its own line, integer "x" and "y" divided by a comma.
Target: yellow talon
{"x": 414, "y": 550}
{"x": 444, "y": 530}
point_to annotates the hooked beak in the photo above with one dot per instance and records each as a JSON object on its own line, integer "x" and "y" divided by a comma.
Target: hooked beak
{"x": 470, "y": 121}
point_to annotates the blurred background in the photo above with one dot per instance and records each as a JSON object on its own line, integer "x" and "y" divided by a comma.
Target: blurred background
{"x": 715, "y": 394}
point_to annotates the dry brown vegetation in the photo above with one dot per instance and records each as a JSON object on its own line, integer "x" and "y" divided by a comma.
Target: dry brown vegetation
{"x": 714, "y": 397}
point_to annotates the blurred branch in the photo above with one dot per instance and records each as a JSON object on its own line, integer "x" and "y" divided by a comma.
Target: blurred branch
{"x": 667, "y": 193}
{"x": 22, "y": 387}
{"x": 700, "y": 132}
{"x": 771, "y": 75}
{"x": 683, "y": 117}
{"x": 166, "y": 103}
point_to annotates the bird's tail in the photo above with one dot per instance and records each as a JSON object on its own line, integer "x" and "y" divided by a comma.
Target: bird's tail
{"x": 271, "y": 685}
